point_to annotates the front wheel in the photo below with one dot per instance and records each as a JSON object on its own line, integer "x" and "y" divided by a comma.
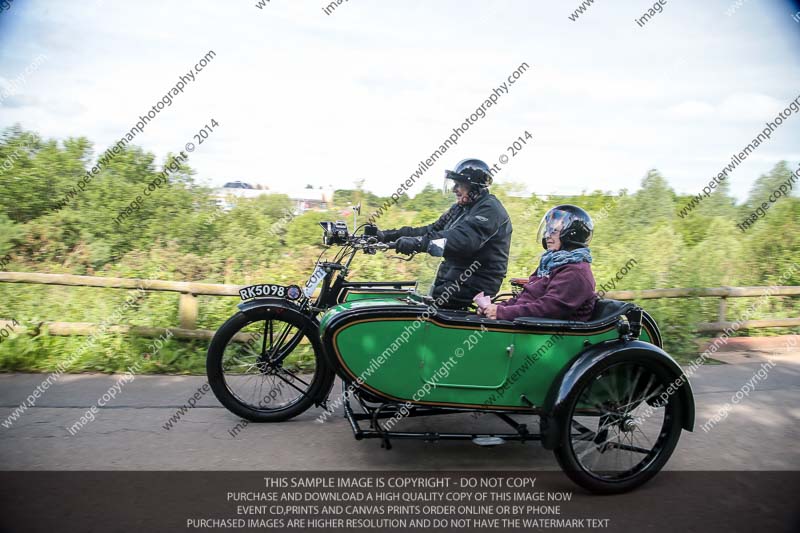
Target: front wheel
{"x": 267, "y": 366}
{"x": 619, "y": 431}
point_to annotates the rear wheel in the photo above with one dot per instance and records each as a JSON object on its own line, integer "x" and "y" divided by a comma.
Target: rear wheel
{"x": 267, "y": 366}
{"x": 620, "y": 432}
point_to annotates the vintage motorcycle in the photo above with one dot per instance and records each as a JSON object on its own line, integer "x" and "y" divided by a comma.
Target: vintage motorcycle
{"x": 611, "y": 403}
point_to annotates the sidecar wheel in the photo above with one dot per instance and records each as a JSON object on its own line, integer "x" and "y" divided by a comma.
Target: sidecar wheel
{"x": 267, "y": 367}
{"x": 618, "y": 432}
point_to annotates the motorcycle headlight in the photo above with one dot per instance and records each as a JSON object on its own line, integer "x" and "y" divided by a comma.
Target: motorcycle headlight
{"x": 334, "y": 232}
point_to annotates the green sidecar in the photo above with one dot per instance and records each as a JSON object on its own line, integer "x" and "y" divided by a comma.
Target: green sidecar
{"x": 611, "y": 403}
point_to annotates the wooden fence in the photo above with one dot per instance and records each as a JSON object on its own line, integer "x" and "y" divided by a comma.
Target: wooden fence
{"x": 188, "y": 307}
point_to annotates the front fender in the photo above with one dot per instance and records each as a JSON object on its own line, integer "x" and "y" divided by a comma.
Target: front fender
{"x": 257, "y": 304}
{"x": 555, "y": 405}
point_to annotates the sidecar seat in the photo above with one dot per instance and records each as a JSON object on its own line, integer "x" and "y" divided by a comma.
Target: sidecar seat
{"x": 606, "y": 308}
{"x": 605, "y": 313}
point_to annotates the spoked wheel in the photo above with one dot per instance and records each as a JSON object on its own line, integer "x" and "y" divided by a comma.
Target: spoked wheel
{"x": 268, "y": 366}
{"x": 621, "y": 433}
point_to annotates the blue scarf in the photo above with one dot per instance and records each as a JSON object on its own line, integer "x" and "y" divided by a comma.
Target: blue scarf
{"x": 551, "y": 260}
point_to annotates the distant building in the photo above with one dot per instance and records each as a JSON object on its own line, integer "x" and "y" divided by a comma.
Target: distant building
{"x": 302, "y": 199}
{"x": 237, "y": 185}
{"x": 227, "y": 196}
{"x": 309, "y": 199}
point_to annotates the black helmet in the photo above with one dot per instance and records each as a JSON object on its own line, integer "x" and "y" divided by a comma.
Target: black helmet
{"x": 574, "y": 225}
{"x": 472, "y": 171}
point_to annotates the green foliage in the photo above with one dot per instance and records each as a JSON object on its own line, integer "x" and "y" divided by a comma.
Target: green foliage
{"x": 180, "y": 233}
{"x": 10, "y": 234}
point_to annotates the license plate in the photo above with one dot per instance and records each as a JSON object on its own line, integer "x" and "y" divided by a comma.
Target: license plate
{"x": 316, "y": 278}
{"x": 269, "y": 290}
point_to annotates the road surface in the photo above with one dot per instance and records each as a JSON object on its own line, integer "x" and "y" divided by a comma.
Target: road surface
{"x": 759, "y": 433}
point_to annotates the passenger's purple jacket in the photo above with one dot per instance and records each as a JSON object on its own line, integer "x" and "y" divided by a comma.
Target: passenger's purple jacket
{"x": 567, "y": 294}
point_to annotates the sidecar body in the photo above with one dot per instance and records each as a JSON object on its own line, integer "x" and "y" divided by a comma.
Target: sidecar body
{"x": 598, "y": 387}
{"x": 402, "y": 351}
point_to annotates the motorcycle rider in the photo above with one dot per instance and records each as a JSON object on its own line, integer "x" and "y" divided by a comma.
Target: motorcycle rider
{"x": 476, "y": 231}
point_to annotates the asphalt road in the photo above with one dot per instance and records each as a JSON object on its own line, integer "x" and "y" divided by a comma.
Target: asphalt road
{"x": 760, "y": 432}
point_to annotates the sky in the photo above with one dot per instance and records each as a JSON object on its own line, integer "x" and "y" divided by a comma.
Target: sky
{"x": 371, "y": 89}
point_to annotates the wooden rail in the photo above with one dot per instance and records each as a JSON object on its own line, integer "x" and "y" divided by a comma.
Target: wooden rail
{"x": 188, "y": 307}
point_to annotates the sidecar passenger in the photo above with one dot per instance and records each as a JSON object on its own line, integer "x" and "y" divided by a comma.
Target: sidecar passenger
{"x": 563, "y": 286}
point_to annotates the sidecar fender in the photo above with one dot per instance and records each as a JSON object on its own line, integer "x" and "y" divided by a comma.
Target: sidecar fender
{"x": 555, "y": 409}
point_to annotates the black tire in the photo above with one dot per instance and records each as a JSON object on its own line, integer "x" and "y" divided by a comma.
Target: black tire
{"x": 638, "y": 385}
{"x": 233, "y": 365}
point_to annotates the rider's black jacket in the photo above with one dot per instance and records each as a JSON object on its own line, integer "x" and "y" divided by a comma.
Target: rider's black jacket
{"x": 478, "y": 234}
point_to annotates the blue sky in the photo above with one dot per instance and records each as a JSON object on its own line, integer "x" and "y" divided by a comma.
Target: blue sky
{"x": 370, "y": 90}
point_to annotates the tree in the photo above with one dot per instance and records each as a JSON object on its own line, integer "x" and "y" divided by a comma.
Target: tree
{"x": 767, "y": 184}
{"x": 654, "y": 202}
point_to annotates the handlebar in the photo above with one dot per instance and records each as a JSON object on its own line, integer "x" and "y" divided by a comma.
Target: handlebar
{"x": 371, "y": 246}
{"x": 370, "y": 243}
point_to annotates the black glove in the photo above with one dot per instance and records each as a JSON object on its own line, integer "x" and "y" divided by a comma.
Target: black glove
{"x": 389, "y": 235}
{"x": 410, "y": 245}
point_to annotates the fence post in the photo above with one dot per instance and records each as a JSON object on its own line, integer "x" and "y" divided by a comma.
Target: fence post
{"x": 187, "y": 310}
{"x": 723, "y": 307}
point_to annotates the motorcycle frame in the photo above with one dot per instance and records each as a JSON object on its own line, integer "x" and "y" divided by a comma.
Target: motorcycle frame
{"x": 386, "y": 410}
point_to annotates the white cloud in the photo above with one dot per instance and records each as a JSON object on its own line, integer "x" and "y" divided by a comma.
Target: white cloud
{"x": 748, "y": 107}
{"x": 740, "y": 107}
{"x": 690, "y": 110}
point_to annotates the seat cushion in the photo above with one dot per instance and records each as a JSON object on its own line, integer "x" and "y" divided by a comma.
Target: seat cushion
{"x": 605, "y": 312}
{"x": 606, "y": 308}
